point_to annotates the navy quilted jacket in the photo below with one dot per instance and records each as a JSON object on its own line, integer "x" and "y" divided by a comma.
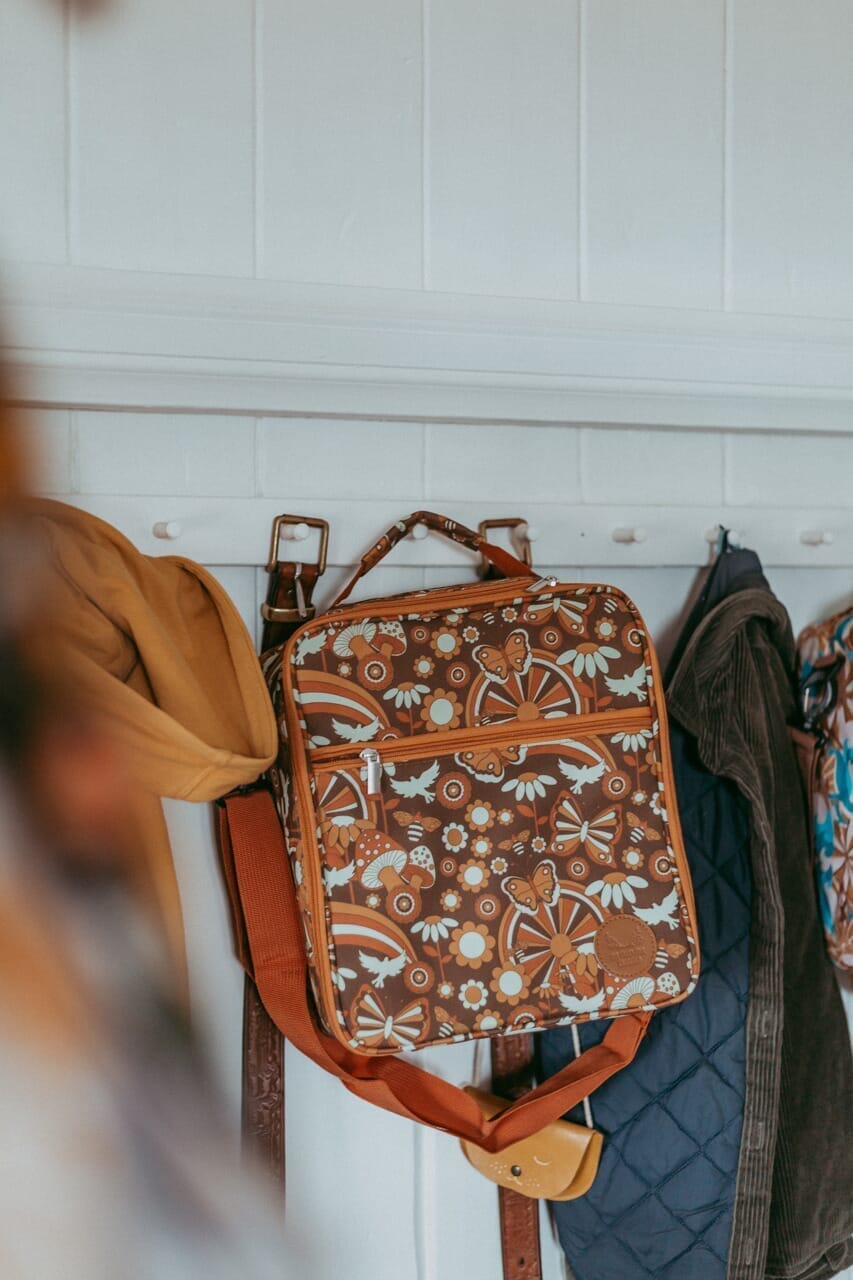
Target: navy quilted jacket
{"x": 661, "y": 1205}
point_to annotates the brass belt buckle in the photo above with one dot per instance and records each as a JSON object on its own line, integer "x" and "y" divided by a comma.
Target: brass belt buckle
{"x": 313, "y": 523}
{"x": 302, "y": 611}
{"x": 520, "y": 546}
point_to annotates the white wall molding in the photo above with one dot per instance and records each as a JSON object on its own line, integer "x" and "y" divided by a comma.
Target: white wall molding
{"x": 113, "y": 339}
{"x": 235, "y": 531}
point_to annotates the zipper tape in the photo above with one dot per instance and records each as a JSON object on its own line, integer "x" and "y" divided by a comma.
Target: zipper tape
{"x": 522, "y": 732}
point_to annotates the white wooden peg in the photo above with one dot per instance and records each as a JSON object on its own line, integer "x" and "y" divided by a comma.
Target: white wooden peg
{"x": 295, "y": 532}
{"x": 629, "y": 535}
{"x": 169, "y": 529}
{"x": 419, "y": 531}
{"x": 817, "y": 537}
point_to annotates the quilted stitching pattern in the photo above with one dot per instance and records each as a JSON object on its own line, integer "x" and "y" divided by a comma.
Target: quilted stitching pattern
{"x": 661, "y": 1206}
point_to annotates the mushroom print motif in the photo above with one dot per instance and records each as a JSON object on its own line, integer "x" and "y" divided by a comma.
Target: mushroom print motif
{"x": 374, "y": 646}
{"x": 421, "y": 868}
{"x": 380, "y": 862}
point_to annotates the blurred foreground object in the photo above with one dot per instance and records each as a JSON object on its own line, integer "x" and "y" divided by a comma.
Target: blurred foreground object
{"x": 114, "y": 1161}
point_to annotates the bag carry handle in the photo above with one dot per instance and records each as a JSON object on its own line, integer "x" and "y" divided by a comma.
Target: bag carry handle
{"x": 251, "y": 832}
{"x": 508, "y": 564}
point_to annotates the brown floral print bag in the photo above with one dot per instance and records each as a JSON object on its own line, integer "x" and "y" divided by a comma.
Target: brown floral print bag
{"x": 480, "y": 836}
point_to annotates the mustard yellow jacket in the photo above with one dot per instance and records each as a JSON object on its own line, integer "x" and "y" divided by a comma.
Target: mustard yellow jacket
{"x": 155, "y": 646}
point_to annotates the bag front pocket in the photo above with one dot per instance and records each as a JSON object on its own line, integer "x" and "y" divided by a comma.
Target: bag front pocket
{"x": 506, "y": 877}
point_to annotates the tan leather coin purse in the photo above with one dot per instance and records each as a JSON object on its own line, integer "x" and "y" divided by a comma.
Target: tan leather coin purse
{"x": 558, "y": 1163}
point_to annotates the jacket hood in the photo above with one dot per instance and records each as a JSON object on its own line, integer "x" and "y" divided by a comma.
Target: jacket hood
{"x": 156, "y": 645}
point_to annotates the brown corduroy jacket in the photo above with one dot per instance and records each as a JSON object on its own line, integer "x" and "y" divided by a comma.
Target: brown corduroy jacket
{"x": 734, "y": 692}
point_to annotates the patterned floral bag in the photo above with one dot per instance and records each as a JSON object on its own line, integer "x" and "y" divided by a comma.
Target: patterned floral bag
{"x": 826, "y": 678}
{"x": 477, "y": 799}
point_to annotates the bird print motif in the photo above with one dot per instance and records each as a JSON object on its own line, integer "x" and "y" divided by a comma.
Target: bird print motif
{"x": 418, "y": 786}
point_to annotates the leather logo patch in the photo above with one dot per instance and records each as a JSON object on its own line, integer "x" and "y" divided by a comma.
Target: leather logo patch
{"x": 625, "y": 946}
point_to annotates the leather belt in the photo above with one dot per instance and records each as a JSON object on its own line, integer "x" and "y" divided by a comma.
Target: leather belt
{"x": 512, "y": 1075}
{"x": 288, "y": 604}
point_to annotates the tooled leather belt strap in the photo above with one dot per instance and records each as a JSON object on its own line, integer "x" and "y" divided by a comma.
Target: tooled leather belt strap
{"x": 512, "y": 1072}
{"x": 512, "y": 1075}
{"x": 287, "y": 606}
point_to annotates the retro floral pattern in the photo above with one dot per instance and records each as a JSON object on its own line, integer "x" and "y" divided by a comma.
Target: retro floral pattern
{"x": 828, "y": 648}
{"x": 514, "y": 868}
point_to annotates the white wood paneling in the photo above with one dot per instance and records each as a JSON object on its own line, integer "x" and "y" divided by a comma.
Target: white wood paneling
{"x": 350, "y": 1204}
{"x": 340, "y": 94}
{"x": 162, "y": 136}
{"x": 164, "y": 454}
{"x": 323, "y": 459}
{"x": 215, "y": 975}
{"x": 810, "y": 596}
{"x": 653, "y": 152}
{"x": 658, "y": 467}
{"x": 501, "y": 129}
{"x": 32, "y": 131}
{"x": 241, "y": 583}
{"x": 130, "y": 339}
{"x": 791, "y": 474}
{"x": 792, "y": 160}
{"x": 511, "y": 466}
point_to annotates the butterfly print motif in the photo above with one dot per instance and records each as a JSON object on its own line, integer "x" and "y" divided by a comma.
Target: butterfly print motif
{"x": 528, "y": 895}
{"x": 595, "y": 835}
{"x": 499, "y": 662}
{"x": 374, "y": 1027}
{"x": 567, "y": 610}
{"x": 488, "y": 764}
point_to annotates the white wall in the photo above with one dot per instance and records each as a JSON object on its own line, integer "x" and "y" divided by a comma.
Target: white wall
{"x": 355, "y": 259}
{"x": 690, "y": 154}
